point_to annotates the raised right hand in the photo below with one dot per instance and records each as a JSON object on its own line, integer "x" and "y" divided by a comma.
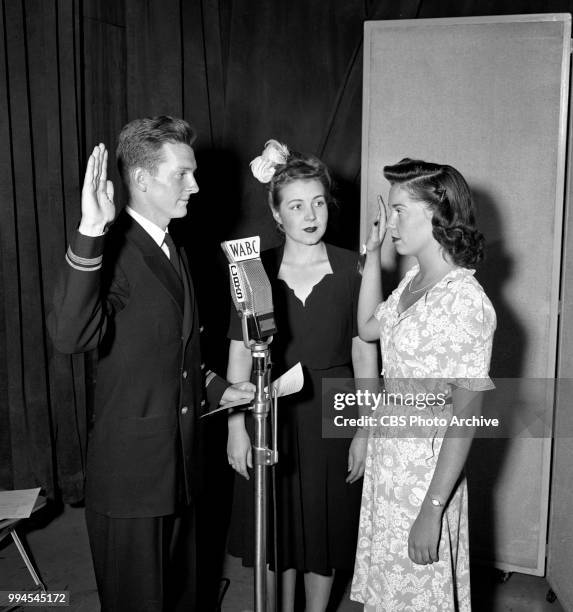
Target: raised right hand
{"x": 378, "y": 229}
{"x": 98, "y": 209}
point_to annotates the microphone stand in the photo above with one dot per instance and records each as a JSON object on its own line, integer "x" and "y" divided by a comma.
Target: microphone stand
{"x": 263, "y": 457}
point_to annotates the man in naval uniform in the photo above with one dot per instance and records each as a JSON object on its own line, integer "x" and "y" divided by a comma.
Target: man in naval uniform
{"x": 126, "y": 290}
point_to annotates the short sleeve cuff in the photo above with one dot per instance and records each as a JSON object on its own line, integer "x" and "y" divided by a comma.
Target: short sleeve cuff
{"x": 235, "y": 330}
{"x": 378, "y": 311}
{"x": 473, "y": 384}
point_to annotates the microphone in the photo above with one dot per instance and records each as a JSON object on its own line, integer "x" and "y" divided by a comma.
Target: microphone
{"x": 250, "y": 289}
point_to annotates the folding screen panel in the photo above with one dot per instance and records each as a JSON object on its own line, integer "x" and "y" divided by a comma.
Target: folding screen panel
{"x": 560, "y": 542}
{"x": 488, "y": 95}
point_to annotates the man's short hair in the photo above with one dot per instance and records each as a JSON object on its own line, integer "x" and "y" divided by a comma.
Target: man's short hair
{"x": 140, "y": 141}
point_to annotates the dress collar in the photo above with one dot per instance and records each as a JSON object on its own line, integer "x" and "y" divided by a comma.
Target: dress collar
{"x": 331, "y": 255}
{"x": 454, "y": 274}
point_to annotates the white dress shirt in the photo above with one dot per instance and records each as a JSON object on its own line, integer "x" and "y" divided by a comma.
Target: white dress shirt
{"x": 153, "y": 230}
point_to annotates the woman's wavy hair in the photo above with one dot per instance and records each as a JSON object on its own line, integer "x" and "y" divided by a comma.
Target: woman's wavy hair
{"x": 299, "y": 167}
{"x": 447, "y": 194}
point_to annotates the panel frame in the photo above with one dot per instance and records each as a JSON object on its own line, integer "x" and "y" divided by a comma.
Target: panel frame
{"x": 560, "y": 533}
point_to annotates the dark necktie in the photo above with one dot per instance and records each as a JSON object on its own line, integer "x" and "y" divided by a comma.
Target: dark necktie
{"x": 173, "y": 254}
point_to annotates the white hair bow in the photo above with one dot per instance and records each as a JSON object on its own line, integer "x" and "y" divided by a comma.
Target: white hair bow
{"x": 263, "y": 167}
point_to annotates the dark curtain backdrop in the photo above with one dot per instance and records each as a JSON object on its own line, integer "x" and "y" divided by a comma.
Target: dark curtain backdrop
{"x": 72, "y": 72}
{"x": 42, "y": 394}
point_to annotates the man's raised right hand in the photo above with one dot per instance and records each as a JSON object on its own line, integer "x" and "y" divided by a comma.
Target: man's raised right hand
{"x": 98, "y": 209}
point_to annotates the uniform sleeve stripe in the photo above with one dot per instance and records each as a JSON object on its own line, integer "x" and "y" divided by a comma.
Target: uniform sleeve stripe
{"x": 83, "y": 261}
{"x": 209, "y": 377}
{"x": 87, "y": 265}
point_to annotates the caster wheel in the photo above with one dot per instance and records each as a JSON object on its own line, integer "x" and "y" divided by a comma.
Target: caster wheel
{"x": 503, "y": 577}
{"x": 551, "y": 597}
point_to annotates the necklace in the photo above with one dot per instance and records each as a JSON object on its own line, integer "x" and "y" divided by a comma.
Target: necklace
{"x": 419, "y": 290}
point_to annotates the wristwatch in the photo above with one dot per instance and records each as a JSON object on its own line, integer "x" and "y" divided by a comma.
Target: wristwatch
{"x": 437, "y": 502}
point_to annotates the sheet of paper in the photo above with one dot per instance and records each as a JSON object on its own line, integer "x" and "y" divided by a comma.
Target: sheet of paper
{"x": 235, "y": 404}
{"x": 17, "y": 504}
{"x": 290, "y": 382}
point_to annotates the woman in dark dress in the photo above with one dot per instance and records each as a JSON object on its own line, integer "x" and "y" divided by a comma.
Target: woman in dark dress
{"x": 315, "y": 294}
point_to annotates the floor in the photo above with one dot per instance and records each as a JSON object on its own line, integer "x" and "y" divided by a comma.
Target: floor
{"x": 61, "y": 552}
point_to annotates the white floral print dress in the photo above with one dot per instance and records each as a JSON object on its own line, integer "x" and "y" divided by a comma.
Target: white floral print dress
{"x": 444, "y": 338}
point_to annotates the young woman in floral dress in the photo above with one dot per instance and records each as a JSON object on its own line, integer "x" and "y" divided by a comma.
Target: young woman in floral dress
{"x": 435, "y": 332}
